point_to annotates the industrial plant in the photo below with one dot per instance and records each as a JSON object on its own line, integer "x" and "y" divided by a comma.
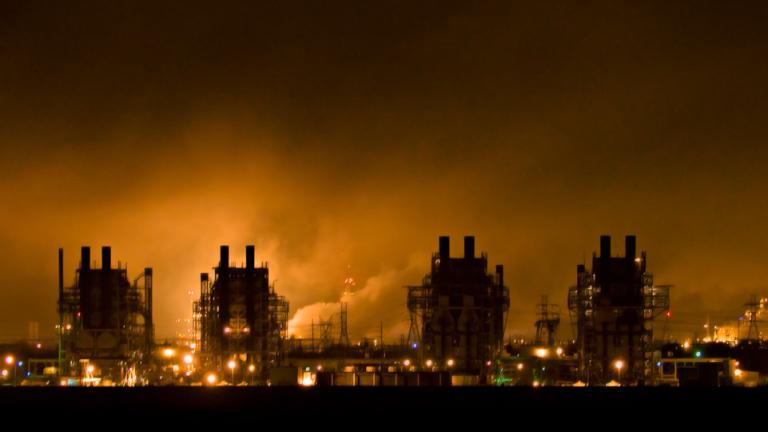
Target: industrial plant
{"x": 458, "y": 312}
{"x": 240, "y": 318}
{"x": 105, "y": 322}
{"x": 457, "y": 334}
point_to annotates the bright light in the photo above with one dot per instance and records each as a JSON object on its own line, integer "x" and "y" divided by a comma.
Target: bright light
{"x": 38, "y": 346}
{"x": 89, "y": 369}
{"x": 227, "y": 330}
{"x": 541, "y": 352}
{"x": 231, "y": 364}
{"x": 536, "y": 383}
{"x": 698, "y": 354}
{"x": 319, "y": 368}
{"x": 638, "y": 260}
{"x": 737, "y": 372}
{"x": 406, "y": 362}
{"x": 188, "y": 359}
{"x": 686, "y": 344}
{"x": 430, "y": 363}
{"x": 519, "y": 366}
{"x": 211, "y": 378}
{"x": 9, "y": 360}
{"x": 168, "y": 352}
{"x": 4, "y": 373}
{"x": 251, "y": 368}
{"x": 618, "y": 364}
{"x": 246, "y": 330}
{"x": 193, "y": 345}
{"x": 451, "y": 362}
{"x": 559, "y": 351}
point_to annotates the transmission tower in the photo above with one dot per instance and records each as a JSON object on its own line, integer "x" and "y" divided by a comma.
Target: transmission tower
{"x": 752, "y": 307}
{"x": 547, "y": 322}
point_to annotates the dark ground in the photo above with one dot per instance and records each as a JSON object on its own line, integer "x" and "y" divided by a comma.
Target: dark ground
{"x": 347, "y": 408}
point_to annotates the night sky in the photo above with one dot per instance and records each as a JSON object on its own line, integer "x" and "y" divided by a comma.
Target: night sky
{"x": 354, "y": 134}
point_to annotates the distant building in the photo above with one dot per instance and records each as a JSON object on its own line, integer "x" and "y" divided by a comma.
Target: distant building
{"x": 613, "y": 305}
{"x": 458, "y": 312}
{"x": 106, "y": 325}
{"x": 240, "y": 318}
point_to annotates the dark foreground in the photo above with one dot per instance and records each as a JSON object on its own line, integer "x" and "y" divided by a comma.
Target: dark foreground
{"x": 347, "y": 407}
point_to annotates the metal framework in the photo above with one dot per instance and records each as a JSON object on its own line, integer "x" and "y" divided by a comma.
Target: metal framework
{"x": 547, "y": 322}
{"x": 105, "y": 320}
{"x": 240, "y": 316}
{"x": 458, "y": 313}
{"x": 613, "y": 306}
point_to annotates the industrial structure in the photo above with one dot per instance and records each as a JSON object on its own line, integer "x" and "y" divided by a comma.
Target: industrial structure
{"x": 240, "y": 318}
{"x": 105, "y": 321}
{"x": 548, "y": 319}
{"x": 458, "y": 313}
{"x": 613, "y": 306}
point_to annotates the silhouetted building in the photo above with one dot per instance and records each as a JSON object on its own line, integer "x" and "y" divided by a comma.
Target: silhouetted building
{"x": 613, "y": 305}
{"x": 105, "y": 321}
{"x": 458, "y": 313}
{"x": 240, "y": 317}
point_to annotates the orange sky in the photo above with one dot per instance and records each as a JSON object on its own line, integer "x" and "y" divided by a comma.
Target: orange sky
{"x": 340, "y": 135}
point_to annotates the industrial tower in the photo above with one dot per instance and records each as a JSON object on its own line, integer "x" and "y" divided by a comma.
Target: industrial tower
{"x": 459, "y": 310}
{"x": 614, "y": 304}
{"x": 105, "y": 321}
{"x": 240, "y": 317}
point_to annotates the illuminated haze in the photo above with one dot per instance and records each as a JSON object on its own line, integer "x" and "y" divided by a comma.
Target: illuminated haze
{"x": 340, "y": 135}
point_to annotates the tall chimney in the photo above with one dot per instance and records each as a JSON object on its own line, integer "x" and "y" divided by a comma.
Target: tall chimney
{"x": 500, "y": 274}
{"x": 203, "y": 277}
{"x": 250, "y": 260}
{"x": 445, "y": 248}
{"x": 469, "y": 246}
{"x": 224, "y": 257}
{"x": 85, "y": 258}
{"x": 106, "y": 258}
{"x": 631, "y": 246}
{"x": 605, "y": 246}
{"x": 61, "y": 278}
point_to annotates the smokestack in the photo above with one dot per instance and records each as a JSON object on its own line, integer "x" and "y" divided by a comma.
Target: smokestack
{"x": 203, "y": 277}
{"x": 500, "y": 274}
{"x": 605, "y": 246}
{"x": 61, "y": 277}
{"x": 224, "y": 257}
{"x": 631, "y": 246}
{"x": 445, "y": 248}
{"x": 250, "y": 260}
{"x": 85, "y": 258}
{"x": 106, "y": 258}
{"x": 469, "y": 246}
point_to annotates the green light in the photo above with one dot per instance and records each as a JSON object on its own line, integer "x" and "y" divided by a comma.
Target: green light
{"x": 698, "y": 354}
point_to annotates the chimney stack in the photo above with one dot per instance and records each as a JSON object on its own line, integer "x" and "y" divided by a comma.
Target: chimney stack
{"x": 605, "y": 246}
{"x": 469, "y": 247}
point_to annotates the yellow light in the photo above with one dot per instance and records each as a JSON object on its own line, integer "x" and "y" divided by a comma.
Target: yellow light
{"x": 251, "y": 368}
{"x": 686, "y": 344}
{"x": 89, "y": 369}
{"x": 406, "y": 362}
{"x": 231, "y": 364}
{"x": 451, "y": 362}
{"x": 211, "y": 378}
{"x": 618, "y": 364}
{"x": 193, "y": 345}
{"x": 168, "y": 352}
{"x": 9, "y": 359}
{"x": 519, "y": 366}
{"x": 559, "y": 351}
{"x": 541, "y": 352}
{"x": 227, "y": 330}
{"x": 536, "y": 383}
{"x": 319, "y": 367}
{"x": 430, "y": 363}
{"x": 188, "y": 359}
{"x": 737, "y": 372}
